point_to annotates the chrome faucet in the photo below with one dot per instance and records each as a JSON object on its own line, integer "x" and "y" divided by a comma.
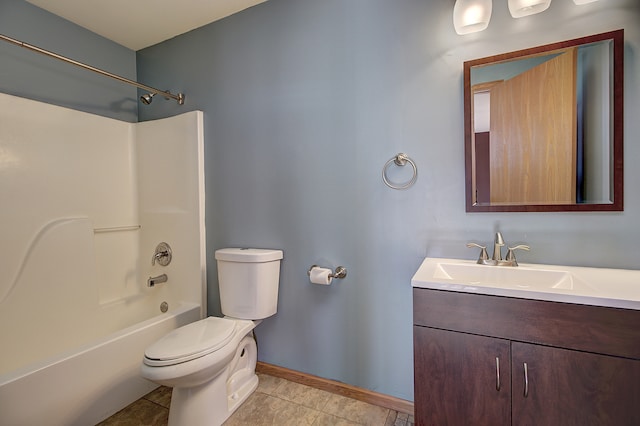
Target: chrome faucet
{"x": 162, "y": 254}
{"x": 498, "y": 242}
{"x": 152, "y": 281}
{"x": 496, "y": 258}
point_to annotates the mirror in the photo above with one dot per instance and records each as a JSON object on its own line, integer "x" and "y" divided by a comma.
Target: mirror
{"x": 543, "y": 128}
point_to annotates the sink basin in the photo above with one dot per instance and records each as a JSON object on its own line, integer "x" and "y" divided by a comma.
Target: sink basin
{"x": 593, "y": 286}
{"x": 504, "y": 277}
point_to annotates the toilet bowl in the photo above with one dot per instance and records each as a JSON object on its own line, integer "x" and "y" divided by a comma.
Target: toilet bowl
{"x": 210, "y": 364}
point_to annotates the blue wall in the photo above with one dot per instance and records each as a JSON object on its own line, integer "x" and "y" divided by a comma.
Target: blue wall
{"x": 35, "y": 76}
{"x": 304, "y": 102}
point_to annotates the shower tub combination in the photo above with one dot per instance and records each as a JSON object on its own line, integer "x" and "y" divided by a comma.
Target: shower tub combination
{"x": 88, "y": 384}
{"x": 87, "y": 211}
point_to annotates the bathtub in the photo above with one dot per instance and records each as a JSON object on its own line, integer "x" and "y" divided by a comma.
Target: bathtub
{"x": 85, "y": 217}
{"x": 88, "y": 384}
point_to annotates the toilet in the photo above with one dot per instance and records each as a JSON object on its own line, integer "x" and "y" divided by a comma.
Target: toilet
{"x": 210, "y": 364}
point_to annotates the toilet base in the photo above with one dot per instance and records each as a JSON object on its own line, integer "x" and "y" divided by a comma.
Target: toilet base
{"x": 211, "y": 403}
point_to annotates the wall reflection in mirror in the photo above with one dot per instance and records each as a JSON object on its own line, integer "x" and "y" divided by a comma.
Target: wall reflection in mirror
{"x": 543, "y": 127}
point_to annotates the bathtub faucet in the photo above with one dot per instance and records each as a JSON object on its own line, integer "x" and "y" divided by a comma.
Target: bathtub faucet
{"x": 162, "y": 254}
{"x": 152, "y": 281}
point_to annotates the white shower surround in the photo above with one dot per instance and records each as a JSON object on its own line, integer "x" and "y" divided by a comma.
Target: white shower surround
{"x": 73, "y": 289}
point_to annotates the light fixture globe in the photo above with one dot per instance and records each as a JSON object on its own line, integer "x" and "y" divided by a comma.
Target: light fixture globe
{"x": 520, "y": 8}
{"x": 471, "y": 16}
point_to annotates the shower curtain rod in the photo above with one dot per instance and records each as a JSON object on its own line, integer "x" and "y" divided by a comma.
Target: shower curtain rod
{"x": 179, "y": 97}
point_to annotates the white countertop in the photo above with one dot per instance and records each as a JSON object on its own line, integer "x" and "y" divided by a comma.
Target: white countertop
{"x": 618, "y": 288}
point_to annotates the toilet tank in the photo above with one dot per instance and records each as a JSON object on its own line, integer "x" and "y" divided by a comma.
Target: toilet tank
{"x": 248, "y": 280}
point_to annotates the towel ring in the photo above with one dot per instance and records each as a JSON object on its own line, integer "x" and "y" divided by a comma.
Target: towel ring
{"x": 400, "y": 160}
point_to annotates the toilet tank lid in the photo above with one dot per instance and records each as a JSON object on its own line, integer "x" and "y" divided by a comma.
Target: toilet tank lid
{"x": 249, "y": 255}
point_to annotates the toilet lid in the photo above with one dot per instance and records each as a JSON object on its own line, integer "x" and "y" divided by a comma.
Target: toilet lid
{"x": 191, "y": 341}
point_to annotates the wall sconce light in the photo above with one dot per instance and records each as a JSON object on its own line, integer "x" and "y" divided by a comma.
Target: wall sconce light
{"x": 520, "y": 8}
{"x": 471, "y": 16}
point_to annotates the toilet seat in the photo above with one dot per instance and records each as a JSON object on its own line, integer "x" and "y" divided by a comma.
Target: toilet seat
{"x": 191, "y": 341}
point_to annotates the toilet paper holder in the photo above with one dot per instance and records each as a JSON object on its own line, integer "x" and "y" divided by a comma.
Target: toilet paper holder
{"x": 340, "y": 272}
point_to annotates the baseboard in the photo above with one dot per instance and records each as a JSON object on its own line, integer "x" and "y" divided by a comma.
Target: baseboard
{"x": 364, "y": 395}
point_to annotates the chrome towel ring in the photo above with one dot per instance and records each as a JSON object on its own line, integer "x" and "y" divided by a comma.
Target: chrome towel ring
{"x": 400, "y": 160}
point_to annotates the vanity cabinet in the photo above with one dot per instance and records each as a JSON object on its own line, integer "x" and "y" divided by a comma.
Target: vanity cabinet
{"x": 456, "y": 381}
{"x": 470, "y": 351}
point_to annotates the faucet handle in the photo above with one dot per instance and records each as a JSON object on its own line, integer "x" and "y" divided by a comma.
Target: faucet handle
{"x": 511, "y": 257}
{"x": 483, "y": 252}
{"x": 162, "y": 254}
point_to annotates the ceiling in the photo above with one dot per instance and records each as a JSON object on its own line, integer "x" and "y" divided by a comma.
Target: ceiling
{"x": 141, "y": 23}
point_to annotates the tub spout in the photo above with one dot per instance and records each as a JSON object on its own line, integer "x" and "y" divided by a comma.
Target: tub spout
{"x": 152, "y": 281}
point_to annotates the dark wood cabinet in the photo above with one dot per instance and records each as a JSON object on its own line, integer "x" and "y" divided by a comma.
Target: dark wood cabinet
{"x": 578, "y": 388}
{"x": 462, "y": 378}
{"x": 470, "y": 352}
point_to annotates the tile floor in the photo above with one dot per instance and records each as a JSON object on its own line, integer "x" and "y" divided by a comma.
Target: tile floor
{"x": 276, "y": 402}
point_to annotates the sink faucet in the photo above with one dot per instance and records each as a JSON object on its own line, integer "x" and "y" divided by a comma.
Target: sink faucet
{"x": 498, "y": 242}
{"x": 496, "y": 258}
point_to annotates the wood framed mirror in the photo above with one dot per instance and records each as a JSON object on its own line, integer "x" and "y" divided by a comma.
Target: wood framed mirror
{"x": 544, "y": 128}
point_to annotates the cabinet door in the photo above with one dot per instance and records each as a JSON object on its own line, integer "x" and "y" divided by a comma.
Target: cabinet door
{"x": 457, "y": 381}
{"x": 568, "y": 387}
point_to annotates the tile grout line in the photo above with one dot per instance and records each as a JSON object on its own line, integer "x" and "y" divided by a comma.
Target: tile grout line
{"x": 155, "y": 403}
{"x": 319, "y": 411}
{"x": 280, "y": 389}
{"x": 339, "y": 388}
{"x": 272, "y": 395}
{"x": 145, "y": 397}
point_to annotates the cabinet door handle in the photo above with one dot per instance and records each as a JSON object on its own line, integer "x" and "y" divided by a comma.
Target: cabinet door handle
{"x": 498, "y": 374}
{"x": 526, "y": 381}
